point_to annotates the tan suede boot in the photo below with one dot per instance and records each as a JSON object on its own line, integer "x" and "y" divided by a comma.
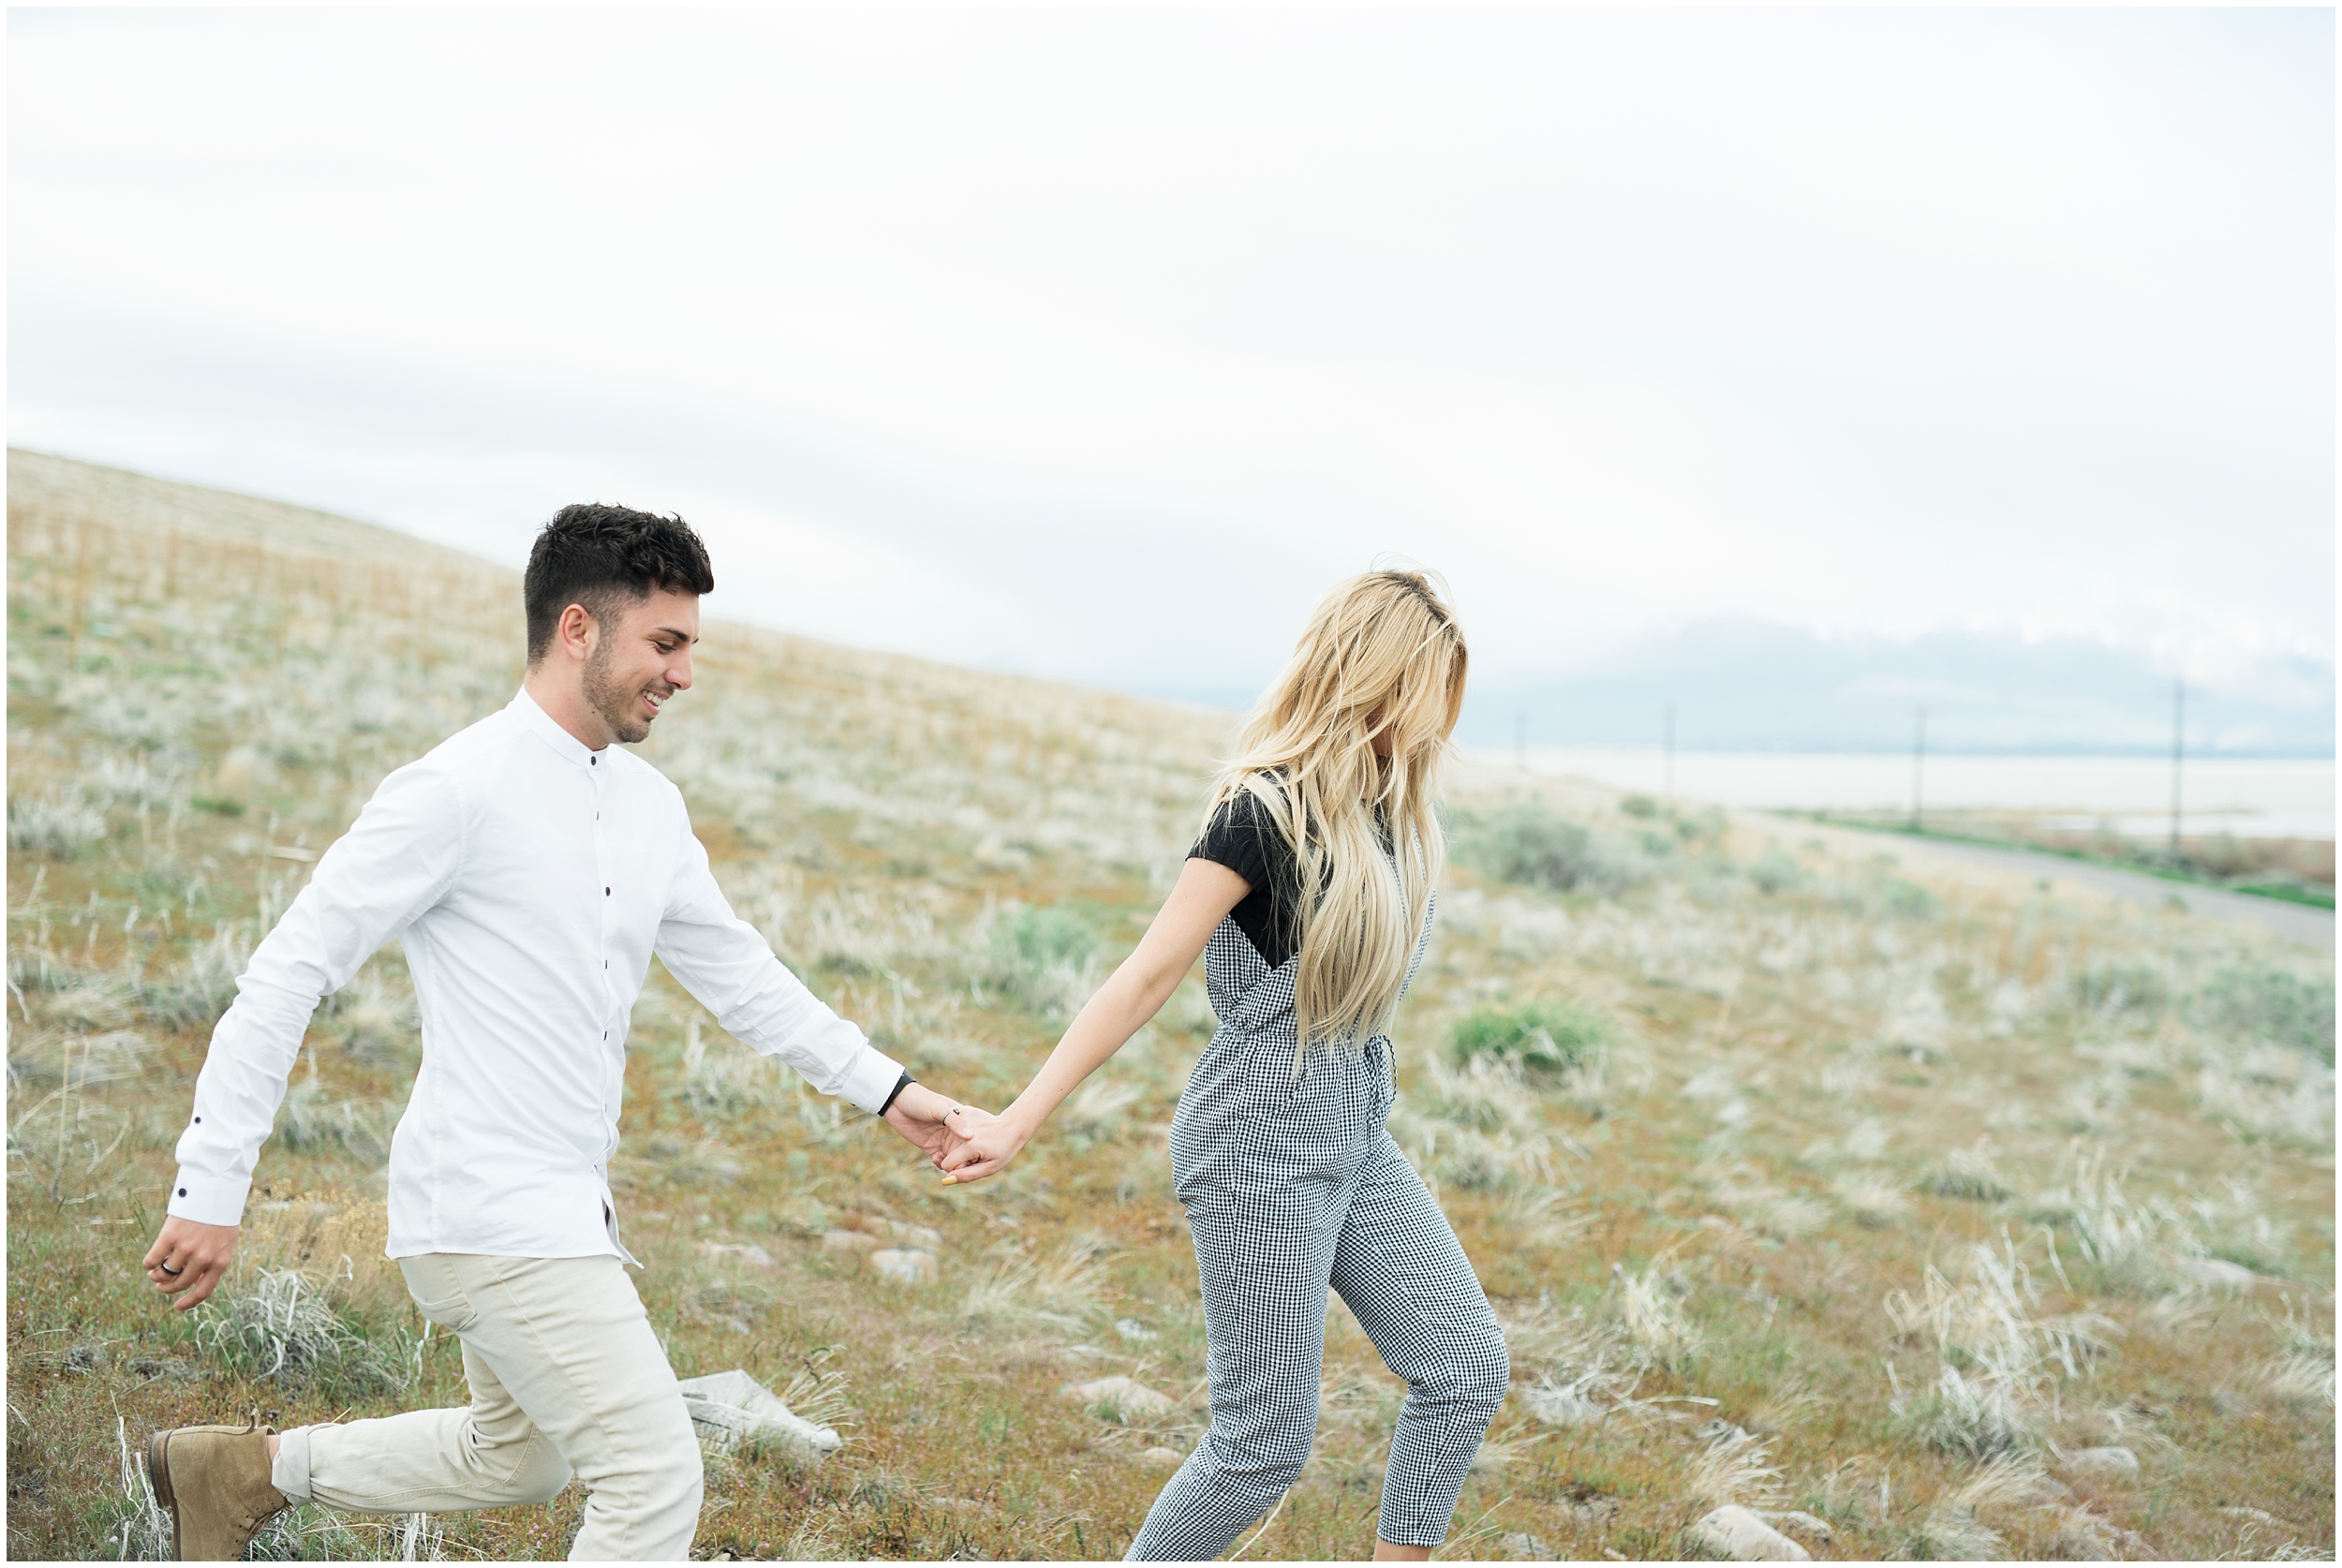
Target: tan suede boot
{"x": 214, "y": 1480}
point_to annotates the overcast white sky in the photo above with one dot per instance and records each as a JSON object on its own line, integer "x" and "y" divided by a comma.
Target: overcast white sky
{"x": 1096, "y": 343}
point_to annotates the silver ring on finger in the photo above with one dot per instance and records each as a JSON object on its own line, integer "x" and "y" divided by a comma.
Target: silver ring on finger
{"x": 167, "y": 1270}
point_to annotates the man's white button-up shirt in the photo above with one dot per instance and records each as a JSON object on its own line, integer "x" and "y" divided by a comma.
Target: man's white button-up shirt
{"x": 531, "y": 880}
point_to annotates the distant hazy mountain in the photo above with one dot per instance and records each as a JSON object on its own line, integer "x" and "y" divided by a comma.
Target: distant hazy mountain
{"x": 1743, "y": 684}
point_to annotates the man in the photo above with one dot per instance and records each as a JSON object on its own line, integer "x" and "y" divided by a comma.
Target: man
{"x": 531, "y": 866}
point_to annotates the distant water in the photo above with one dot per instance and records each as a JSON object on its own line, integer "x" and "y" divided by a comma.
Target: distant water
{"x": 2252, "y": 798}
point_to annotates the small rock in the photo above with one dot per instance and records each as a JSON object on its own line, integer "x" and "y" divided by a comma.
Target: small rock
{"x": 1588, "y": 1505}
{"x": 728, "y": 1408}
{"x": 1524, "y": 1547}
{"x": 150, "y": 1368}
{"x": 2115, "y": 1463}
{"x": 2217, "y": 1272}
{"x": 747, "y": 1252}
{"x": 1162, "y": 1458}
{"x": 1801, "y": 1525}
{"x": 1738, "y": 1535}
{"x": 1131, "y": 1328}
{"x": 1127, "y": 1398}
{"x": 924, "y": 1237}
{"x": 904, "y": 1266}
{"x": 849, "y": 1241}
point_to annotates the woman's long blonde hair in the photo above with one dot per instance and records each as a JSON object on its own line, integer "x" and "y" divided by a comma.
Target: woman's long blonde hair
{"x": 1382, "y": 652}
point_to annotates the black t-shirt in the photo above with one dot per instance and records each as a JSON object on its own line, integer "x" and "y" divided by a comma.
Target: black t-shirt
{"x": 1242, "y": 836}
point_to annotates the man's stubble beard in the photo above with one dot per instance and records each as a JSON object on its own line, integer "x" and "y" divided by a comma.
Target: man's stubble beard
{"x": 614, "y": 700}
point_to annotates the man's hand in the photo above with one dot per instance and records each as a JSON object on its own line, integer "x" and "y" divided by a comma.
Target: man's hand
{"x": 919, "y": 1115}
{"x": 191, "y": 1258}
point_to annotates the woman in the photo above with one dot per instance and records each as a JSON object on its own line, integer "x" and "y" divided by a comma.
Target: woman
{"x": 1279, "y": 1152}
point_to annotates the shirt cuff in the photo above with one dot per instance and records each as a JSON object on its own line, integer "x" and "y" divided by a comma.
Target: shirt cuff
{"x": 869, "y": 1080}
{"x": 207, "y": 1200}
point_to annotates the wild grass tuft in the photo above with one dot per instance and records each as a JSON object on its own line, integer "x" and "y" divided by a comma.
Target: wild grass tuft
{"x": 283, "y": 1330}
{"x": 59, "y": 824}
{"x": 1040, "y": 957}
{"x": 2261, "y": 1004}
{"x": 1543, "y": 1037}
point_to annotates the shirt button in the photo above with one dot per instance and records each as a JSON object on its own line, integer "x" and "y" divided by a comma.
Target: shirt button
{"x": 605, "y": 893}
{"x": 183, "y": 1191}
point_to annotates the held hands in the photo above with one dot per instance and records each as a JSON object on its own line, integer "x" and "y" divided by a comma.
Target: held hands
{"x": 965, "y": 1143}
{"x": 919, "y": 1115}
{"x": 982, "y": 1146}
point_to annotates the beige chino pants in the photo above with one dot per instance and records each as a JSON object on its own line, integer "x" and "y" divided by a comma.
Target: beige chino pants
{"x": 565, "y": 1376}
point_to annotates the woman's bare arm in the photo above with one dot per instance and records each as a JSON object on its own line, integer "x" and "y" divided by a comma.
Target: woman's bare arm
{"x": 1136, "y": 990}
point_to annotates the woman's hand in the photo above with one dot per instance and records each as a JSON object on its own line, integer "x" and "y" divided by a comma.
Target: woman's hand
{"x": 984, "y": 1145}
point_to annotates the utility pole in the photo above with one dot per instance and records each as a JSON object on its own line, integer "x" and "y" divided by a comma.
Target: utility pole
{"x": 2179, "y": 700}
{"x": 1667, "y": 754}
{"x": 1520, "y": 738}
{"x": 1919, "y": 764}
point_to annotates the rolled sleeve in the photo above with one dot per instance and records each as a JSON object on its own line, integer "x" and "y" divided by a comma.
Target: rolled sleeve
{"x": 728, "y": 965}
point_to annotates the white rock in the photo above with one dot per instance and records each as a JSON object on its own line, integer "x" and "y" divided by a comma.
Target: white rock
{"x": 728, "y": 1408}
{"x": 1127, "y": 1395}
{"x": 848, "y": 1241}
{"x": 1162, "y": 1458}
{"x": 2218, "y": 1273}
{"x": 1738, "y": 1535}
{"x": 2117, "y": 1462}
{"x": 1131, "y": 1328}
{"x": 747, "y": 1252}
{"x": 904, "y": 1266}
{"x": 924, "y": 1237}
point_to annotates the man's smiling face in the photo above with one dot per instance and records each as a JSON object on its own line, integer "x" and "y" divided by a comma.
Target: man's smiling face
{"x": 642, "y": 656}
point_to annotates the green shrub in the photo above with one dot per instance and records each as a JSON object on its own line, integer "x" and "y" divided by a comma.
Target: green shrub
{"x": 1640, "y": 805}
{"x": 1775, "y": 871}
{"x": 2271, "y": 1005}
{"x": 2120, "y": 988}
{"x": 1530, "y": 844}
{"x": 1541, "y": 1036}
{"x": 1038, "y": 953}
{"x": 1710, "y": 824}
{"x": 1906, "y": 900}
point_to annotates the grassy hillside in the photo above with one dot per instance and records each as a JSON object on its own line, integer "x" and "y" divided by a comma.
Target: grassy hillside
{"x": 1946, "y": 1212}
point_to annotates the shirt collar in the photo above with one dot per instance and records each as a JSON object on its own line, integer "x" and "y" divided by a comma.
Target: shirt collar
{"x": 541, "y": 724}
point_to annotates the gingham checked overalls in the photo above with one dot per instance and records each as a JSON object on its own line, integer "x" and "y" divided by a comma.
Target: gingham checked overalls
{"x": 1293, "y": 1184}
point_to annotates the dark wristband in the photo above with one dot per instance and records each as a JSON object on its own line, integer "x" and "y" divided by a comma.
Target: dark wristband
{"x": 900, "y": 1083}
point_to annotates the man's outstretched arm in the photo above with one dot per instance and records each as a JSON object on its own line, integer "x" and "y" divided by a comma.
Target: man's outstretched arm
{"x": 728, "y": 965}
{"x": 394, "y": 862}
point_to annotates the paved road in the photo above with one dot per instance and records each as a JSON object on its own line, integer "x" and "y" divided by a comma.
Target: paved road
{"x": 2300, "y": 923}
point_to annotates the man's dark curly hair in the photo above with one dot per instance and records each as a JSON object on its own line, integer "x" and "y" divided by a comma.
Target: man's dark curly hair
{"x": 594, "y": 555}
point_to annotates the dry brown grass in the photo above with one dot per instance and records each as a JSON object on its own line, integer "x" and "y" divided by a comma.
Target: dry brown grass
{"x": 1886, "y": 1122}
